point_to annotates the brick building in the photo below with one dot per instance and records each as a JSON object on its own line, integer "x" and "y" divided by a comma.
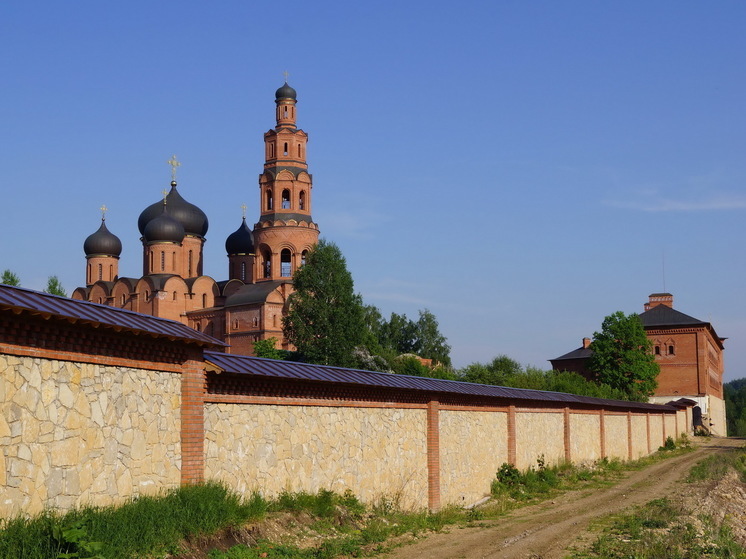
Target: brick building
{"x": 689, "y": 353}
{"x": 246, "y": 307}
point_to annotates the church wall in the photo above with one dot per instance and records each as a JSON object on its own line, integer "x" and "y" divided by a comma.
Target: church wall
{"x": 75, "y": 433}
{"x": 473, "y": 446}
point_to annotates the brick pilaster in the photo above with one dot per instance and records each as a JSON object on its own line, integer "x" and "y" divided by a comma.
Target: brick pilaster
{"x": 192, "y": 422}
{"x": 647, "y": 428}
{"x": 511, "y": 436}
{"x": 433, "y": 456}
{"x": 629, "y": 435}
{"x": 568, "y": 449}
{"x": 602, "y": 434}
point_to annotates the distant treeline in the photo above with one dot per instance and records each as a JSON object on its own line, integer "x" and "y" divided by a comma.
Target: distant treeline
{"x": 735, "y": 407}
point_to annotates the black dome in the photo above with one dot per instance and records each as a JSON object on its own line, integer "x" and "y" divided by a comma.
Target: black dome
{"x": 190, "y": 216}
{"x": 241, "y": 241}
{"x": 285, "y": 92}
{"x": 102, "y": 242}
{"x": 164, "y": 228}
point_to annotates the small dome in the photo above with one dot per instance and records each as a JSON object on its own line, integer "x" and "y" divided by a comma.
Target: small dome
{"x": 190, "y": 216}
{"x": 102, "y": 242}
{"x": 285, "y": 92}
{"x": 164, "y": 228}
{"x": 241, "y": 241}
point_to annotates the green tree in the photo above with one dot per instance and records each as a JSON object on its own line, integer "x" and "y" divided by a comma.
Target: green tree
{"x": 10, "y": 278}
{"x": 325, "y": 316}
{"x": 267, "y": 349}
{"x": 622, "y": 356}
{"x": 498, "y": 372}
{"x": 54, "y": 287}
{"x": 431, "y": 344}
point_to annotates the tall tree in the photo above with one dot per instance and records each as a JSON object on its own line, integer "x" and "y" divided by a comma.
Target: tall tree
{"x": 54, "y": 287}
{"x": 431, "y": 343}
{"x": 622, "y": 356}
{"x": 10, "y": 278}
{"x": 325, "y": 316}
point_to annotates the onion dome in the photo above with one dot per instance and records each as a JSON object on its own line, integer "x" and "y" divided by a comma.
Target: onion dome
{"x": 241, "y": 241}
{"x": 102, "y": 242}
{"x": 164, "y": 229}
{"x": 285, "y": 92}
{"x": 192, "y": 219}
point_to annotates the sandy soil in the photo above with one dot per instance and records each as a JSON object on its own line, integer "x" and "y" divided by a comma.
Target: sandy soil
{"x": 547, "y": 530}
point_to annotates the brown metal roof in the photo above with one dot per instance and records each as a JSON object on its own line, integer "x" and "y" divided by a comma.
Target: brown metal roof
{"x": 244, "y": 365}
{"x": 35, "y": 302}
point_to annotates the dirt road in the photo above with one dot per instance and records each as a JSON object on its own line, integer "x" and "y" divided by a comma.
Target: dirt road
{"x": 545, "y": 531}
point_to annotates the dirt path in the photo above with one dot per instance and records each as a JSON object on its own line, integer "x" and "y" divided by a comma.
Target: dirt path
{"x": 545, "y": 531}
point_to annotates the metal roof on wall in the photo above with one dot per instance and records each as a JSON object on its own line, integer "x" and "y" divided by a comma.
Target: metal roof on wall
{"x": 255, "y": 366}
{"x": 35, "y": 302}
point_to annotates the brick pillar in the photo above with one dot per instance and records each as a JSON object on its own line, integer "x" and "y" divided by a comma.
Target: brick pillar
{"x": 192, "y": 422}
{"x": 629, "y": 435}
{"x": 568, "y": 450}
{"x": 511, "y": 436}
{"x": 647, "y": 428}
{"x": 663, "y": 419}
{"x": 433, "y": 456}
{"x": 602, "y": 434}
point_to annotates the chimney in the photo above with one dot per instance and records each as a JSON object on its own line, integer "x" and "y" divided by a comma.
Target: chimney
{"x": 586, "y": 343}
{"x": 656, "y": 299}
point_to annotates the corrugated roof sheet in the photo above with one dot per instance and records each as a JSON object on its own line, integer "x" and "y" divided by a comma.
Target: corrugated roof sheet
{"x": 43, "y": 303}
{"x": 244, "y": 365}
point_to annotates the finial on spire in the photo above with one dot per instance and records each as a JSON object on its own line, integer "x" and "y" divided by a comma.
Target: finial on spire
{"x": 165, "y": 194}
{"x": 286, "y": 74}
{"x": 174, "y": 164}
{"x": 243, "y": 210}
{"x": 103, "y": 209}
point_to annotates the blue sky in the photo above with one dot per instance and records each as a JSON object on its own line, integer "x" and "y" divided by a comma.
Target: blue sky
{"x": 521, "y": 169}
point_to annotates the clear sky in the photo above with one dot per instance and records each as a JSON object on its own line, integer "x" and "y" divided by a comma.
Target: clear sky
{"x": 522, "y": 169}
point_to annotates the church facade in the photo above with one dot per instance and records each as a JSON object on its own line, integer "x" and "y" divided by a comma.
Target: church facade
{"x": 249, "y": 305}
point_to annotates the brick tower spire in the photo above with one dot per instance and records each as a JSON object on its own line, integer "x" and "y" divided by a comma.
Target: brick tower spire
{"x": 285, "y": 231}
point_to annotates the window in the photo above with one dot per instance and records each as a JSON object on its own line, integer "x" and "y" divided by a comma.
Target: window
{"x": 190, "y": 264}
{"x": 174, "y": 295}
{"x": 243, "y": 271}
{"x": 100, "y": 272}
{"x": 285, "y": 114}
{"x": 269, "y": 199}
{"x": 124, "y": 299}
{"x": 204, "y": 300}
{"x": 286, "y": 199}
{"x": 266, "y": 263}
{"x": 670, "y": 350}
{"x": 163, "y": 260}
{"x": 657, "y": 350}
{"x": 285, "y": 151}
{"x": 299, "y": 150}
{"x": 302, "y": 200}
{"x": 303, "y": 257}
{"x": 285, "y": 263}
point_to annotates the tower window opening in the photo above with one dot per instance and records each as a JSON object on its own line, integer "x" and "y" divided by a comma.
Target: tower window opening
{"x": 111, "y": 272}
{"x": 285, "y": 112}
{"x": 124, "y": 299}
{"x": 152, "y": 264}
{"x": 657, "y": 350}
{"x": 286, "y": 199}
{"x": 271, "y": 150}
{"x": 204, "y": 300}
{"x": 173, "y": 260}
{"x": 298, "y": 150}
{"x": 243, "y": 271}
{"x": 670, "y": 350}
{"x": 302, "y": 200}
{"x": 285, "y": 263}
{"x": 100, "y": 272}
{"x": 269, "y": 199}
{"x": 88, "y": 275}
{"x": 285, "y": 151}
{"x": 163, "y": 260}
{"x": 190, "y": 264}
{"x": 303, "y": 256}
{"x": 174, "y": 295}
{"x": 267, "y": 264}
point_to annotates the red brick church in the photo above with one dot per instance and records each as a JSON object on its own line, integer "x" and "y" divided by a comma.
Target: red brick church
{"x": 689, "y": 353}
{"x": 246, "y": 307}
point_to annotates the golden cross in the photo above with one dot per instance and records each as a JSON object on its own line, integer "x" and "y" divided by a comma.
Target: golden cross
{"x": 103, "y": 212}
{"x": 243, "y": 210}
{"x": 165, "y": 193}
{"x": 286, "y": 74}
{"x": 174, "y": 164}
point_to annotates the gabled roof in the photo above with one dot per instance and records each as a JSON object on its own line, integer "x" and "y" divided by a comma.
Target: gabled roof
{"x": 580, "y": 353}
{"x": 258, "y": 367}
{"x": 252, "y": 293}
{"x": 663, "y": 315}
{"x": 19, "y": 300}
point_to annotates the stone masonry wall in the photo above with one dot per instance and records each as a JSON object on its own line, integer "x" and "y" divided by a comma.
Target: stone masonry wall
{"x": 639, "y": 436}
{"x": 473, "y": 446}
{"x": 537, "y": 434}
{"x": 615, "y": 435}
{"x": 374, "y": 452}
{"x": 74, "y": 434}
{"x": 585, "y": 439}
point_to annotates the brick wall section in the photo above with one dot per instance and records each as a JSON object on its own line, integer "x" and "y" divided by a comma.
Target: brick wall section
{"x": 193, "y": 385}
{"x": 433, "y": 456}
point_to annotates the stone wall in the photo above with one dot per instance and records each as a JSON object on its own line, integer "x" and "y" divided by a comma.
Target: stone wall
{"x": 374, "y": 452}
{"x": 615, "y": 436}
{"x": 473, "y": 446}
{"x": 639, "y": 436}
{"x": 585, "y": 438}
{"x": 539, "y": 434}
{"x": 75, "y": 433}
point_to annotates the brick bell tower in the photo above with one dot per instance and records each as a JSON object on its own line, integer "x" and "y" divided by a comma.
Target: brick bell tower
{"x": 285, "y": 231}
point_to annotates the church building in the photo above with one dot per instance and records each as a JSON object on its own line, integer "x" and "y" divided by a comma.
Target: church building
{"x": 249, "y": 305}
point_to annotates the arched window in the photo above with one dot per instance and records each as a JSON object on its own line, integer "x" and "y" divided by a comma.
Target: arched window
{"x": 671, "y": 350}
{"x": 152, "y": 264}
{"x": 100, "y": 272}
{"x": 204, "y": 300}
{"x": 286, "y": 112}
{"x": 190, "y": 264}
{"x": 124, "y": 299}
{"x": 111, "y": 272}
{"x": 174, "y": 295}
{"x": 285, "y": 263}
{"x": 266, "y": 263}
{"x": 302, "y": 200}
{"x": 657, "y": 350}
{"x": 88, "y": 274}
{"x": 298, "y": 150}
{"x": 173, "y": 261}
{"x": 303, "y": 256}
{"x": 269, "y": 199}
{"x": 285, "y": 151}
{"x": 286, "y": 199}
